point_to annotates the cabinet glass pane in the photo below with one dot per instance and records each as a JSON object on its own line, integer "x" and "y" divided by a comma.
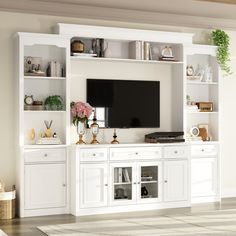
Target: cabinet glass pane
{"x": 149, "y": 182}
{"x": 123, "y": 191}
{"x": 122, "y": 175}
{"x": 123, "y": 183}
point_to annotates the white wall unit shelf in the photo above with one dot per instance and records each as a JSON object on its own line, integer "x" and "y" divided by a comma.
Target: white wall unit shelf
{"x": 106, "y": 178}
{"x": 132, "y": 184}
{"x": 42, "y": 186}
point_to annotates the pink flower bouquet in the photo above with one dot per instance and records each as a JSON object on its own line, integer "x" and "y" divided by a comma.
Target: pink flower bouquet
{"x": 80, "y": 111}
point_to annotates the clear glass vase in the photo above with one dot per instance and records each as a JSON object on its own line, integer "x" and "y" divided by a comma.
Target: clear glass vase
{"x": 81, "y": 131}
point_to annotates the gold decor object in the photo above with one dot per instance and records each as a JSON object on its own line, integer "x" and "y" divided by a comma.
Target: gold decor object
{"x": 77, "y": 46}
{"x": 48, "y": 132}
{"x": 114, "y": 141}
{"x": 80, "y": 131}
{"x": 205, "y": 106}
{"x": 95, "y": 129}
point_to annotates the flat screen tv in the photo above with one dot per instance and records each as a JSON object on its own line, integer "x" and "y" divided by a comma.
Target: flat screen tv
{"x": 126, "y": 103}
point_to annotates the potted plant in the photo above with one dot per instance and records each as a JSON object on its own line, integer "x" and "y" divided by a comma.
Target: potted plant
{"x": 222, "y": 41}
{"x": 54, "y": 102}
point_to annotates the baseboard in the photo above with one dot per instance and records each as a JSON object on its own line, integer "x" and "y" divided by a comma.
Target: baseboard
{"x": 228, "y": 192}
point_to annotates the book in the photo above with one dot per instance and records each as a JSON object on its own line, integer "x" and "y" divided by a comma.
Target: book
{"x": 119, "y": 175}
{"x": 136, "y": 50}
{"x": 126, "y": 175}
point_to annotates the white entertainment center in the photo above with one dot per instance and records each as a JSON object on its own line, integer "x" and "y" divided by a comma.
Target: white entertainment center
{"x": 130, "y": 176}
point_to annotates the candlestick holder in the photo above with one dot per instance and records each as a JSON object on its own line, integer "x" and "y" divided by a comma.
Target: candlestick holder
{"x": 114, "y": 141}
{"x": 95, "y": 129}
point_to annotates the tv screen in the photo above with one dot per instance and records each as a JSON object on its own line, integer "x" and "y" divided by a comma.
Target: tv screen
{"x": 126, "y": 103}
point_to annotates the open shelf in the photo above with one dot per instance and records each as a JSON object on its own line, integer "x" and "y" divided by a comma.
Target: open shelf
{"x": 43, "y": 111}
{"x": 43, "y": 146}
{"x": 149, "y": 182}
{"x": 201, "y": 112}
{"x": 201, "y": 83}
{"x": 125, "y": 60}
{"x": 44, "y": 77}
{"x": 124, "y": 183}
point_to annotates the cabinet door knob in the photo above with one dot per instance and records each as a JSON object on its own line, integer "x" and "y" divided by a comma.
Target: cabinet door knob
{"x": 138, "y": 182}
{"x": 63, "y": 185}
{"x": 135, "y": 183}
{"x": 165, "y": 181}
{"x": 106, "y": 185}
{"x": 202, "y": 150}
{"x": 136, "y": 153}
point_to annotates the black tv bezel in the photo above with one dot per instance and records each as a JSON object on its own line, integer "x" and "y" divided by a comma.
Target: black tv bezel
{"x": 129, "y": 127}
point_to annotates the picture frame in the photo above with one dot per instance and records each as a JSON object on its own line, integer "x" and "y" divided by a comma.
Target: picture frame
{"x": 33, "y": 66}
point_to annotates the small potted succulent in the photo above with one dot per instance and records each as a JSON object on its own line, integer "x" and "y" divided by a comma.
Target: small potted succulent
{"x": 54, "y": 102}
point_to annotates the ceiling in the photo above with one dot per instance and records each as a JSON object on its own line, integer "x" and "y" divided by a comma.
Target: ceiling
{"x": 198, "y": 13}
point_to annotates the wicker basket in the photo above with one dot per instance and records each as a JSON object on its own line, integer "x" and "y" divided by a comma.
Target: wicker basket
{"x": 7, "y": 204}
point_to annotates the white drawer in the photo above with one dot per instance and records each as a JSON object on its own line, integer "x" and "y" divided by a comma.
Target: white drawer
{"x": 125, "y": 154}
{"x": 176, "y": 152}
{"x": 204, "y": 150}
{"x": 45, "y": 155}
{"x": 93, "y": 154}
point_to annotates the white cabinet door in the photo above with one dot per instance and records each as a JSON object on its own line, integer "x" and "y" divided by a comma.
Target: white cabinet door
{"x": 123, "y": 183}
{"x": 204, "y": 177}
{"x": 149, "y": 182}
{"x": 93, "y": 185}
{"x": 45, "y": 186}
{"x": 175, "y": 180}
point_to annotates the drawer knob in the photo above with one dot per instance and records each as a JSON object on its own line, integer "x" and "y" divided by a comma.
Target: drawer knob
{"x": 165, "y": 181}
{"x": 63, "y": 185}
{"x": 202, "y": 150}
{"x": 175, "y": 152}
{"x": 106, "y": 185}
{"x": 136, "y": 153}
{"x": 94, "y": 154}
{"x": 45, "y": 155}
{"x": 135, "y": 183}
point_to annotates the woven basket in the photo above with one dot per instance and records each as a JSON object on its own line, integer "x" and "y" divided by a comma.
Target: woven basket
{"x": 7, "y": 205}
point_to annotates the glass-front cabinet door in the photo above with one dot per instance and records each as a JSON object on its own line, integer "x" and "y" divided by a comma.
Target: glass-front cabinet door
{"x": 123, "y": 183}
{"x": 149, "y": 182}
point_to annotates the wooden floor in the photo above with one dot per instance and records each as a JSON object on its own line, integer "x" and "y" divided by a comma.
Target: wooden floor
{"x": 27, "y": 226}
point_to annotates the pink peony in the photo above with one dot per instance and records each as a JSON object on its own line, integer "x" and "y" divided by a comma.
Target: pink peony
{"x": 80, "y": 111}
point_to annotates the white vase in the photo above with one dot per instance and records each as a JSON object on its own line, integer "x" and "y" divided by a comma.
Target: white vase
{"x": 80, "y": 131}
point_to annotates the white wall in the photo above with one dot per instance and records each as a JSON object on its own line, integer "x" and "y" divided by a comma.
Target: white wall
{"x": 82, "y": 70}
{"x": 11, "y": 23}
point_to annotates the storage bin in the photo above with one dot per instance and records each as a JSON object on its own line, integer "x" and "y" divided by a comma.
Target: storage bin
{"x": 7, "y": 204}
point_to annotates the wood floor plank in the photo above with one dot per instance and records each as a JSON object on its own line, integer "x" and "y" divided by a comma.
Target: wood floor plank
{"x": 27, "y": 226}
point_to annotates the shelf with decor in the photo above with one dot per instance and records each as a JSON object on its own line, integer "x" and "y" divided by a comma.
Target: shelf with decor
{"x": 44, "y": 77}
{"x": 202, "y": 120}
{"x": 141, "y": 51}
{"x": 125, "y": 60}
{"x": 44, "y": 111}
{"x": 43, "y": 118}
{"x": 201, "y": 83}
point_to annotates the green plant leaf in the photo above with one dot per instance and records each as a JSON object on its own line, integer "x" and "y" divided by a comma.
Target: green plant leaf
{"x": 222, "y": 41}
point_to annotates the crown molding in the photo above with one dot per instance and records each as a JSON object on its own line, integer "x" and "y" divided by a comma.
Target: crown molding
{"x": 113, "y": 14}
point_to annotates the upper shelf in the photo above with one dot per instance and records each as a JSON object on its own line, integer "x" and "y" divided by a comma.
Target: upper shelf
{"x": 44, "y": 77}
{"x": 125, "y": 60}
{"x": 201, "y": 83}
